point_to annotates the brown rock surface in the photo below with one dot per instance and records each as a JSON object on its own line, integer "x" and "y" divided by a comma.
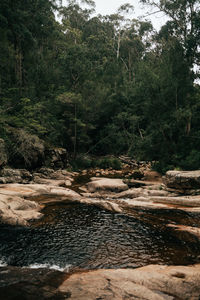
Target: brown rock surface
{"x": 152, "y": 282}
{"x": 182, "y": 179}
{"x": 17, "y": 211}
{"x": 30, "y": 284}
{"x": 106, "y": 184}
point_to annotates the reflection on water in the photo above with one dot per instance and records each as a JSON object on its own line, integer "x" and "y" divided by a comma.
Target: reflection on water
{"x": 89, "y": 237}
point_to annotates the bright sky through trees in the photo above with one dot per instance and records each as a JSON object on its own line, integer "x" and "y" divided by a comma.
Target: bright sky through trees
{"x": 105, "y": 7}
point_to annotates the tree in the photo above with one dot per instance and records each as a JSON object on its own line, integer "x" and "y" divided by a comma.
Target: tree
{"x": 184, "y": 23}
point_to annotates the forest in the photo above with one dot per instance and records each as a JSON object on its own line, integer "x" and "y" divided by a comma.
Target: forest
{"x": 100, "y": 85}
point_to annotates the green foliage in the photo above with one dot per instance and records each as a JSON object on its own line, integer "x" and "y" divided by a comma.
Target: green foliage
{"x": 86, "y": 162}
{"x": 103, "y": 85}
{"x": 191, "y": 161}
{"x": 25, "y": 149}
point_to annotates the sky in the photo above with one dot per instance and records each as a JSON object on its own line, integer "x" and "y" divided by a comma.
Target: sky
{"x": 106, "y": 7}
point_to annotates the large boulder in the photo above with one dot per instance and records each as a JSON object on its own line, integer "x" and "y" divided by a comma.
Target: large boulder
{"x": 56, "y": 158}
{"x": 182, "y": 179}
{"x": 152, "y": 282}
{"x": 17, "y": 211}
{"x": 106, "y": 184}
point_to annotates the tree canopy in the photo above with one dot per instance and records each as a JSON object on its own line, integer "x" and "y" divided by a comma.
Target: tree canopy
{"x": 102, "y": 84}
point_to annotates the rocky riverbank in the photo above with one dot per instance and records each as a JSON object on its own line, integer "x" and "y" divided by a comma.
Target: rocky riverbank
{"x": 23, "y": 201}
{"x": 153, "y": 282}
{"x": 20, "y": 202}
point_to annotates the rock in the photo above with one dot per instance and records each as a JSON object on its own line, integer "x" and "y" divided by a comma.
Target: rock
{"x": 44, "y": 172}
{"x": 190, "y": 201}
{"x": 56, "y": 158}
{"x": 182, "y": 179}
{"x": 61, "y": 174}
{"x": 30, "y": 284}
{"x": 3, "y": 154}
{"x": 132, "y": 193}
{"x": 54, "y": 182}
{"x": 8, "y": 175}
{"x": 17, "y": 211}
{"x": 153, "y": 282}
{"x": 195, "y": 231}
{"x": 137, "y": 174}
{"x": 152, "y": 176}
{"x": 64, "y": 193}
{"x": 52, "y": 174}
{"x": 30, "y": 191}
{"x": 67, "y": 183}
{"x": 106, "y": 184}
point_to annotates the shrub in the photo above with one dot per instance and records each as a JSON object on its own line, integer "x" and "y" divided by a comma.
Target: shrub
{"x": 26, "y": 150}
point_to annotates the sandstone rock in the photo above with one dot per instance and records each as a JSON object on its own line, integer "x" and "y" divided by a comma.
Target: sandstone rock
{"x": 106, "y": 184}
{"x": 182, "y": 179}
{"x": 31, "y": 191}
{"x": 152, "y": 176}
{"x": 193, "y": 230}
{"x": 152, "y": 282}
{"x": 17, "y": 211}
{"x": 191, "y": 201}
{"x": 8, "y": 175}
{"x": 45, "y": 172}
{"x": 64, "y": 192}
{"x": 68, "y": 183}
{"x": 54, "y": 182}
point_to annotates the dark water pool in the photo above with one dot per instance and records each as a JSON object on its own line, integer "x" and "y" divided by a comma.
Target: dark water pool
{"x": 89, "y": 237}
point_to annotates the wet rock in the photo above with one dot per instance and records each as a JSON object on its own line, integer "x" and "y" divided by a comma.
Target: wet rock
{"x": 193, "y": 231}
{"x": 182, "y": 179}
{"x": 30, "y": 284}
{"x": 106, "y": 184}
{"x": 151, "y": 282}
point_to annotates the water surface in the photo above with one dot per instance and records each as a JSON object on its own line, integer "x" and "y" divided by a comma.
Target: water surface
{"x": 90, "y": 237}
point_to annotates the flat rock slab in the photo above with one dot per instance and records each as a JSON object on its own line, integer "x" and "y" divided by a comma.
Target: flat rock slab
{"x": 106, "y": 184}
{"x": 182, "y": 179}
{"x": 33, "y": 190}
{"x": 153, "y": 282}
{"x": 15, "y": 209}
{"x": 18, "y": 211}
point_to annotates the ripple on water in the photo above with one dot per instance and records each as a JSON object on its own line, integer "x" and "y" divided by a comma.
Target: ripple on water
{"x": 90, "y": 237}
